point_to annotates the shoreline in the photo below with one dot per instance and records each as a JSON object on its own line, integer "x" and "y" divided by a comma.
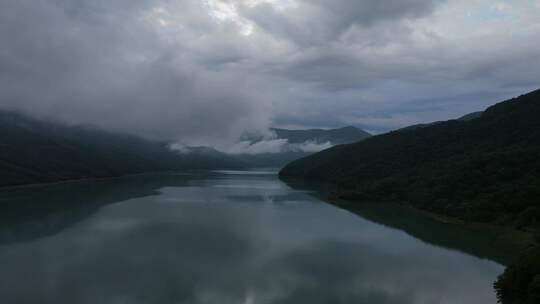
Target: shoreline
{"x": 508, "y": 241}
{"x": 86, "y": 179}
{"x": 68, "y": 181}
{"x": 90, "y": 179}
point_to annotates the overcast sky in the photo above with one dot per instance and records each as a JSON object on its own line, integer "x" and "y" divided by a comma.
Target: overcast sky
{"x": 205, "y": 71}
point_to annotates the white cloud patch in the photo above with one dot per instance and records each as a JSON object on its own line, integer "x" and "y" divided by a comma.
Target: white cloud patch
{"x": 265, "y": 146}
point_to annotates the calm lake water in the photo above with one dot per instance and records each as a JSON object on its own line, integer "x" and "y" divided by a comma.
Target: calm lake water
{"x": 227, "y": 237}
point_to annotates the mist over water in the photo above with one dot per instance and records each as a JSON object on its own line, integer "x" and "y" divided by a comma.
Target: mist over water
{"x": 228, "y": 237}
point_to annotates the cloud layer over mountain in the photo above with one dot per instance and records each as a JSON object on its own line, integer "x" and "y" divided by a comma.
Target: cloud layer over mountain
{"x": 205, "y": 72}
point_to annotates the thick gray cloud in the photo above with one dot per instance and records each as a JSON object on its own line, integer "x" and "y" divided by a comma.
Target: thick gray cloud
{"x": 105, "y": 63}
{"x": 206, "y": 71}
{"x": 320, "y": 21}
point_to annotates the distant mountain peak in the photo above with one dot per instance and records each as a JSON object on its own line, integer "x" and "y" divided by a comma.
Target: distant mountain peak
{"x": 343, "y": 135}
{"x": 287, "y": 145}
{"x": 350, "y": 128}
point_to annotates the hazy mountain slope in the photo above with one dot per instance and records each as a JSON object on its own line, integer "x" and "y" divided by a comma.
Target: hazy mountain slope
{"x": 34, "y": 151}
{"x": 485, "y": 169}
{"x": 334, "y": 136}
{"x": 296, "y": 144}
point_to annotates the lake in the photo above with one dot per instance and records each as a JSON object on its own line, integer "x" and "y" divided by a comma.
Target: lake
{"x": 224, "y": 237}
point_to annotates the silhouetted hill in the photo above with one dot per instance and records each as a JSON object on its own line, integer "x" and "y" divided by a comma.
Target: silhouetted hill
{"x": 35, "y": 151}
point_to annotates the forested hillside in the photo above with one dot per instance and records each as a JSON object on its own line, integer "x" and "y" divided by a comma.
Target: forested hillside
{"x": 484, "y": 168}
{"x": 35, "y": 151}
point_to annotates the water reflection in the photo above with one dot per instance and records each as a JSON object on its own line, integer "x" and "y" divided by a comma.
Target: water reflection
{"x": 242, "y": 238}
{"x": 38, "y": 211}
{"x": 479, "y": 240}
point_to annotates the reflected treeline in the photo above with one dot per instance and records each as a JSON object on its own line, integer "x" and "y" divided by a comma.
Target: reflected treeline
{"x": 33, "y": 212}
{"x": 479, "y": 242}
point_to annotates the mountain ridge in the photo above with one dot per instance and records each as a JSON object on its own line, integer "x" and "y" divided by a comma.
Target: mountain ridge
{"x": 347, "y": 134}
{"x": 296, "y": 139}
{"x": 36, "y": 151}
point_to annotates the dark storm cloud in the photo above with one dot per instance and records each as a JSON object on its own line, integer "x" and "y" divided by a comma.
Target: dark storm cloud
{"x": 204, "y": 72}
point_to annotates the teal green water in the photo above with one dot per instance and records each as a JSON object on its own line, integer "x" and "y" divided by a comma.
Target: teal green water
{"x": 223, "y": 237}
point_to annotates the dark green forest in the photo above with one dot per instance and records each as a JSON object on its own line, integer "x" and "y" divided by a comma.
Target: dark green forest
{"x": 520, "y": 283}
{"x": 483, "y": 169}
